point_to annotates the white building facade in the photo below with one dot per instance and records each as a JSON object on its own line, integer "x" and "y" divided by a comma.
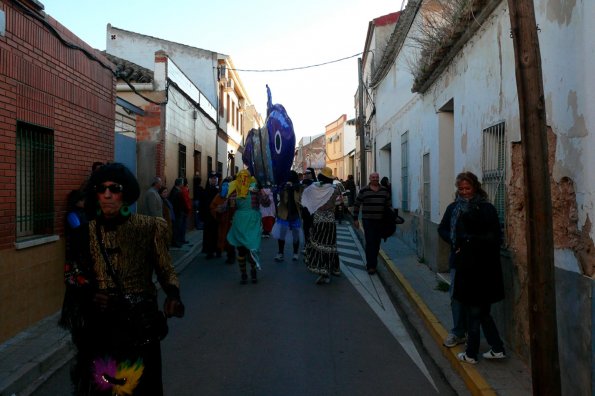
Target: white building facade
{"x": 464, "y": 116}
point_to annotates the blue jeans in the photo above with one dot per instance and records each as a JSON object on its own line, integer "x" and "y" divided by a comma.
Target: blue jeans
{"x": 372, "y": 235}
{"x": 459, "y": 314}
{"x": 479, "y": 316}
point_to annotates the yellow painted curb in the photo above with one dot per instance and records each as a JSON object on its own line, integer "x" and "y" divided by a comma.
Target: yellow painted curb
{"x": 475, "y": 382}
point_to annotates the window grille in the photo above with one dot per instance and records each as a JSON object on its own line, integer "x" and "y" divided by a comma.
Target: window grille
{"x": 34, "y": 181}
{"x": 181, "y": 160}
{"x": 427, "y": 186}
{"x": 494, "y": 167}
{"x": 405, "y": 171}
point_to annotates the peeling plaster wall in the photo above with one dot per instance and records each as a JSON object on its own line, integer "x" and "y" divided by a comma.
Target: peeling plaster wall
{"x": 482, "y": 84}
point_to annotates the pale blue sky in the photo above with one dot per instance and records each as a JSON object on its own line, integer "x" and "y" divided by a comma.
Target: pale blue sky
{"x": 258, "y": 34}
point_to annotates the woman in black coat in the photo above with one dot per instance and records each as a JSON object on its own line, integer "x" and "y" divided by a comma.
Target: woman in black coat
{"x": 472, "y": 228}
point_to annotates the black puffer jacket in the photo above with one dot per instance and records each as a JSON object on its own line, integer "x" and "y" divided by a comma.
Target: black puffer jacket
{"x": 475, "y": 254}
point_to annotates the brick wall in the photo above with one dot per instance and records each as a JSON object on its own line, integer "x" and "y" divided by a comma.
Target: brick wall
{"x": 46, "y": 83}
{"x": 43, "y": 82}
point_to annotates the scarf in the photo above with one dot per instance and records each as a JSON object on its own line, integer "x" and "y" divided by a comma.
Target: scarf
{"x": 316, "y": 195}
{"x": 462, "y": 205}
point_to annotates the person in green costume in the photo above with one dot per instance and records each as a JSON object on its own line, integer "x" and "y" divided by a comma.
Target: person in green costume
{"x": 246, "y": 227}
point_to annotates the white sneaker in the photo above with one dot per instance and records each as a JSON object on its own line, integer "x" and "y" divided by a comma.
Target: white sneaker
{"x": 464, "y": 358}
{"x": 494, "y": 355}
{"x": 279, "y": 257}
{"x": 295, "y": 257}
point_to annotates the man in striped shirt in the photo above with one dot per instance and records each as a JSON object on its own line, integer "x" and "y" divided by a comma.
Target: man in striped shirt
{"x": 372, "y": 199}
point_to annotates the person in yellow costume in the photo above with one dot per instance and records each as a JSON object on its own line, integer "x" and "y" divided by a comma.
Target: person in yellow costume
{"x": 246, "y": 227}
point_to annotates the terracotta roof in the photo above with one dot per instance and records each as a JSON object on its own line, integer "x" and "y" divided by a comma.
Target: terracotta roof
{"x": 130, "y": 71}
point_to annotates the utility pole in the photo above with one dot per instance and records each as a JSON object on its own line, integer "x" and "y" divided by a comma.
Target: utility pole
{"x": 360, "y": 125}
{"x": 545, "y": 366}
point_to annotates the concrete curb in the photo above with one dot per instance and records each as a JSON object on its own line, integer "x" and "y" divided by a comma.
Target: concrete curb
{"x": 474, "y": 381}
{"x": 29, "y": 376}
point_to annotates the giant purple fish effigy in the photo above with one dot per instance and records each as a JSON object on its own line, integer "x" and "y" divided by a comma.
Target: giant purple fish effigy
{"x": 269, "y": 150}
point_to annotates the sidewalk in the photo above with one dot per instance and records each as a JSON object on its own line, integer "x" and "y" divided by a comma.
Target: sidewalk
{"x": 509, "y": 377}
{"x": 32, "y": 356}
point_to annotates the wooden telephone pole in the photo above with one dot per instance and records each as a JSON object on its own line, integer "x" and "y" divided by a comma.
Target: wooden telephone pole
{"x": 545, "y": 366}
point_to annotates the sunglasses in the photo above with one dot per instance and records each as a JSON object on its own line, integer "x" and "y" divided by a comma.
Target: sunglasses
{"x": 113, "y": 188}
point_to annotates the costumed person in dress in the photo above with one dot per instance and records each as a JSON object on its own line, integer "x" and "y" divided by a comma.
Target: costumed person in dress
{"x": 112, "y": 294}
{"x": 222, "y": 209}
{"x": 321, "y": 253}
{"x": 267, "y": 211}
{"x": 289, "y": 216}
{"x": 471, "y": 226}
{"x": 309, "y": 178}
{"x": 246, "y": 227}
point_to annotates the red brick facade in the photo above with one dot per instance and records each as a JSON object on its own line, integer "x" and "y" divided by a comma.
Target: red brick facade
{"x": 43, "y": 82}
{"x": 70, "y": 91}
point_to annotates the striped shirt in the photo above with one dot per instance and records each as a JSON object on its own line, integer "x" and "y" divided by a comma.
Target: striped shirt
{"x": 372, "y": 203}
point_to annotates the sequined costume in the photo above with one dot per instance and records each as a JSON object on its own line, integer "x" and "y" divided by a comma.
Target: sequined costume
{"x": 137, "y": 247}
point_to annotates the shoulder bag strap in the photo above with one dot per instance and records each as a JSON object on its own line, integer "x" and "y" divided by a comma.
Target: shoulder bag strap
{"x": 108, "y": 264}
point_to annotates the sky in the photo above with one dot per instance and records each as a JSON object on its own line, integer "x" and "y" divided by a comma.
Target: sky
{"x": 258, "y": 35}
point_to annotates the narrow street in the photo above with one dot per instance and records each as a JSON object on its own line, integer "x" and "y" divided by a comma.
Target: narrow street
{"x": 286, "y": 335}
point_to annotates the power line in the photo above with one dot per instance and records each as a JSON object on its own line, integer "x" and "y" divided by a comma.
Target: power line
{"x": 297, "y": 68}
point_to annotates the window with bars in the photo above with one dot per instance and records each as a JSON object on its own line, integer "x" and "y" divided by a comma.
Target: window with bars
{"x": 34, "y": 181}
{"x": 405, "y": 171}
{"x": 494, "y": 167}
{"x": 181, "y": 160}
{"x": 427, "y": 186}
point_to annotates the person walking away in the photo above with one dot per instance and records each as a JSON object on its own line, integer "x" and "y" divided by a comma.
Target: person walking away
{"x": 246, "y": 227}
{"x": 386, "y": 183}
{"x": 222, "y": 209}
{"x": 168, "y": 212}
{"x": 321, "y": 255}
{"x": 372, "y": 200}
{"x": 471, "y": 226}
{"x": 288, "y": 216}
{"x": 177, "y": 201}
{"x": 209, "y": 235}
{"x": 267, "y": 211}
{"x": 197, "y": 196}
{"x": 115, "y": 257}
{"x": 350, "y": 187}
{"x": 153, "y": 202}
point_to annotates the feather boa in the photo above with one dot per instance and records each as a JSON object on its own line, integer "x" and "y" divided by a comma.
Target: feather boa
{"x": 121, "y": 378}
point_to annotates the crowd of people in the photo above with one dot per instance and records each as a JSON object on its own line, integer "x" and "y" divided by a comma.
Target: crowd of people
{"x": 112, "y": 255}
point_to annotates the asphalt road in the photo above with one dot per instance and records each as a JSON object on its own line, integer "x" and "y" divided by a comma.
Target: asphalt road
{"x": 286, "y": 335}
